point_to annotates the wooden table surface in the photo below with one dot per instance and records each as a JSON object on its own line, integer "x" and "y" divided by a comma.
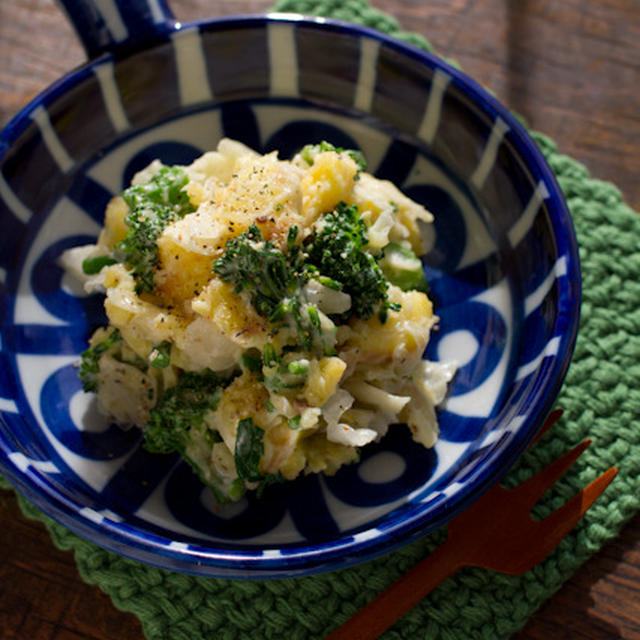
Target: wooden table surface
{"x": 571, "y": 67}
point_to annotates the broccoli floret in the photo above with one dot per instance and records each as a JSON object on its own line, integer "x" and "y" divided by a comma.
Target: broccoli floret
{"x": 272, "y": 279}
{"x": 310, "y": 151}
{"x": 90, "y": 360}
{"x": 336, "y": 249}
{"x": 177, "y": 424}
{"x": 334, "y": 254}
{"x": 152, "y": 207}
{"x": 259, "y": 268}
{"x": 181, "y": 409}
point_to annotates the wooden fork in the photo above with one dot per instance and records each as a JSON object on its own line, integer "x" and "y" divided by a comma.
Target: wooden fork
{"x": 496, "y": 532}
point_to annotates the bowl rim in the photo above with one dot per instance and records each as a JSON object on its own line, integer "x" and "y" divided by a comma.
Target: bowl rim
{"x": 308, "y": 558}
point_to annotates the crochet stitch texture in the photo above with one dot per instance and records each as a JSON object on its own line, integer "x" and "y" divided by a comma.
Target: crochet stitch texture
{"x": 601, "y": 399}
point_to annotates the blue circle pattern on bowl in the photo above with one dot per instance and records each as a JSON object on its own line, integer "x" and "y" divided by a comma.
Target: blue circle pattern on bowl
{"x": 502, "y": 265}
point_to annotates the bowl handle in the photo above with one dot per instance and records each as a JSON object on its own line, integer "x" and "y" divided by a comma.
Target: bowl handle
{"x": 106, "y": 26}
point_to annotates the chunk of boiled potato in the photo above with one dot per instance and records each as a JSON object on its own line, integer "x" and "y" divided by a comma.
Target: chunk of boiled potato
{"x": 281, "y": 454}
{"x": 401, "y": 340}
{"x": 244, "y": 398}
{"x": 263, "y": 191}
{"x": 142, "y": 323}
{"x": 324, "y": 456}
{"x": 115, "y": 228}
{"x": 185, "y": 269}
{"x": 328, "y": 181}
{"x": 233, "y": 314}
{"x": 323, "y": 379}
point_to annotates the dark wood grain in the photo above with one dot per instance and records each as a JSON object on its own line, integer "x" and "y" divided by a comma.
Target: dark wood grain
{"x": 571, "y": 67}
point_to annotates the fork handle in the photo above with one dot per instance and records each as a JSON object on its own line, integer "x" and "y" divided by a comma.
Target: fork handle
{"x": 401, "y": 596}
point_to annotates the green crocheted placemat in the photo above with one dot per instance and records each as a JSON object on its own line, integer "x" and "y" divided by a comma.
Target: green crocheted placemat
{"x": 601, "y": 398}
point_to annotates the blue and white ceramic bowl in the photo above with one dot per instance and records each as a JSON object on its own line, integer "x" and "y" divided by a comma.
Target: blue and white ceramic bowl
{"x": 502, "y": 264}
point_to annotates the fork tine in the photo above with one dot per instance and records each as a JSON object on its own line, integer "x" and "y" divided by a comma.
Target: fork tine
{"x": 552, "y": 418}
{"x": 546, "y": 534}
{"x": 530, "y": 490}
{"x": 555, "y": 527}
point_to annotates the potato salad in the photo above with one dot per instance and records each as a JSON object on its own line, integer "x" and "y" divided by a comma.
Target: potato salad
{"x": 267, "y": 317}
